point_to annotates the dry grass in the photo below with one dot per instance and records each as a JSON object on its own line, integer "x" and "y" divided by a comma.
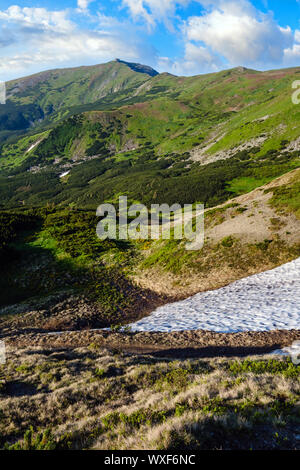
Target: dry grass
{"x": 91, "y": 398}
{"x": 244, "y": 236}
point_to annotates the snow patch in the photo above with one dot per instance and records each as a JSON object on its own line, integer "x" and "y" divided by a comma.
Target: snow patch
{"x": 34, "y": 145}
{"x": 64, "y": 174}
{"x": 263, "y": 302}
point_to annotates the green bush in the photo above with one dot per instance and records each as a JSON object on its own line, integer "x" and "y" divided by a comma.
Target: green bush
{"x": 40, "y": 441}
{"x": 272, "y": 366}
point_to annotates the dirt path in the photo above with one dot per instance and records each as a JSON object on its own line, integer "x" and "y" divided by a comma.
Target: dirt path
{"x": 176, "y": 344}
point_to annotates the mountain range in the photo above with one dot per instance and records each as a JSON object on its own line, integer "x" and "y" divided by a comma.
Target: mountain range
{"x": 82, "y": 135}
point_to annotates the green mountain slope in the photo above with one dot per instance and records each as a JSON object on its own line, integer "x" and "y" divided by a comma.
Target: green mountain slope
{"x": 161, "y": 139}
{"x": 72, "y": 139}
{"x": 46, "y": 97}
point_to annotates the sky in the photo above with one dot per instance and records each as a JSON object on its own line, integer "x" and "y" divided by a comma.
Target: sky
{"x": 183, "y": 37}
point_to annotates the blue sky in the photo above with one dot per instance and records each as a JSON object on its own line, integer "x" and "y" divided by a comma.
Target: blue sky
{"x": 184, "y": 37}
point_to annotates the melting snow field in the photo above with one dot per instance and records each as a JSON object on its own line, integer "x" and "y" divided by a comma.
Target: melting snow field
{"x": 263, "y": 302}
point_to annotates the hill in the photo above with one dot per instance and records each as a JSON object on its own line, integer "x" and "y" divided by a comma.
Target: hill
{"x": 47, "y": 97}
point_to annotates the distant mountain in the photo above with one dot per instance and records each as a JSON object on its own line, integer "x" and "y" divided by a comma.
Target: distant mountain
{"x": 49, "y": 96}
{"x": 139, "y": 68}
{"x": 81, "y": 136}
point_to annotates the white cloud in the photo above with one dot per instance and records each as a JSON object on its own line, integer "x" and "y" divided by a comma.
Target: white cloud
{"x": 240, "y": 33}
{"x": 153, "y": 11}
{"x": 37, "y": 18}
{"x": 292, "y": 54}
{"x": 232, "y": 30}
{"x": 225, "y": 33}
{"x": 83, "y": 5}
{"x": 200, "y": 58}
{"x": 197, "y": 59}
{"x": 41, "y": 39}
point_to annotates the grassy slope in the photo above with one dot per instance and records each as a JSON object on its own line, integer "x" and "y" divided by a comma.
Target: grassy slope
{"x": 38, "y": 101}
{"x": 177, "y": 113}
{"x": 137, "y": 143}
{"x": 183, "y": 110}
{"x": 65, "y": 88}
{"x": 89, "y": 398}
{"x": 79, "y": 398}
{"x": 249, "y": 234}
{"x": 246, "y": 235}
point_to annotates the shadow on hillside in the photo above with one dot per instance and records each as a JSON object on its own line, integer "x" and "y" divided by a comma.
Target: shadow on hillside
{"x": 214, "y": 351}
{"x": 31, "y": 271}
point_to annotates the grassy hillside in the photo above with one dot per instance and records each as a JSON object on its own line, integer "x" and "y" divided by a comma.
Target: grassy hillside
{"x": 248, "y": 234}
{"x": 90, "y": 398}
{"x": 49, "y": 255}
{"x": 141, "y": 173}
{"x": 171, "y": 135}
{"x": 47, "y": 97}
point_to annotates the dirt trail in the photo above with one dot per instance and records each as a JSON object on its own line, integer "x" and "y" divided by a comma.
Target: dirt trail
{"x": 176, "y": 344}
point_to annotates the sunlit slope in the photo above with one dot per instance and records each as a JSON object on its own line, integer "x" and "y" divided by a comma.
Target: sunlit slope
{"x": 47, "y": 97}
{"x": 171, "y": 139}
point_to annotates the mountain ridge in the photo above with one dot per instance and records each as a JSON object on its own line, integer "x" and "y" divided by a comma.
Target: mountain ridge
{"x": 43, "y": 99}
{"x": 171, "y": 134}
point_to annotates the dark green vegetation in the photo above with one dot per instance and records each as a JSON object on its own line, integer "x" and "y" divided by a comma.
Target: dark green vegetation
{"x": 121, "y": 129}
{"x": 55, "y": 250}
{"x": 44, "y": 252}
{"x": 10, "y": 227}
{"x": 72, "y": 139}
{"x": 141, "y": 176}
{"x": 95, "y": 399}
{"x": 18, "y": 118}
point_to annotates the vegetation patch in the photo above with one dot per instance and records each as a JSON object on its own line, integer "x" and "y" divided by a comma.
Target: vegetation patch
{"x": 287, "y": 198}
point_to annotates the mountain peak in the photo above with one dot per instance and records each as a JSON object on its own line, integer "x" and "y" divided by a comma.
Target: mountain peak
{"x": 139, "y": 68}
{"x": 241, "y": 69}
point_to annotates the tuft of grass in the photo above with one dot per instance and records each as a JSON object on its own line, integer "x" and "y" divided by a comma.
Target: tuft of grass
{"x": 273, "y": 366}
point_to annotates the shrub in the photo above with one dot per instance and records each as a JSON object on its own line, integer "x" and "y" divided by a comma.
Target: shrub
{"x": 272, "y": 366}
{"x": 40, "y": 441}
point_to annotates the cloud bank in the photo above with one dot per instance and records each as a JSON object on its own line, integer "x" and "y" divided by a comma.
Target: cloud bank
{"x": 222, "y": 33}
